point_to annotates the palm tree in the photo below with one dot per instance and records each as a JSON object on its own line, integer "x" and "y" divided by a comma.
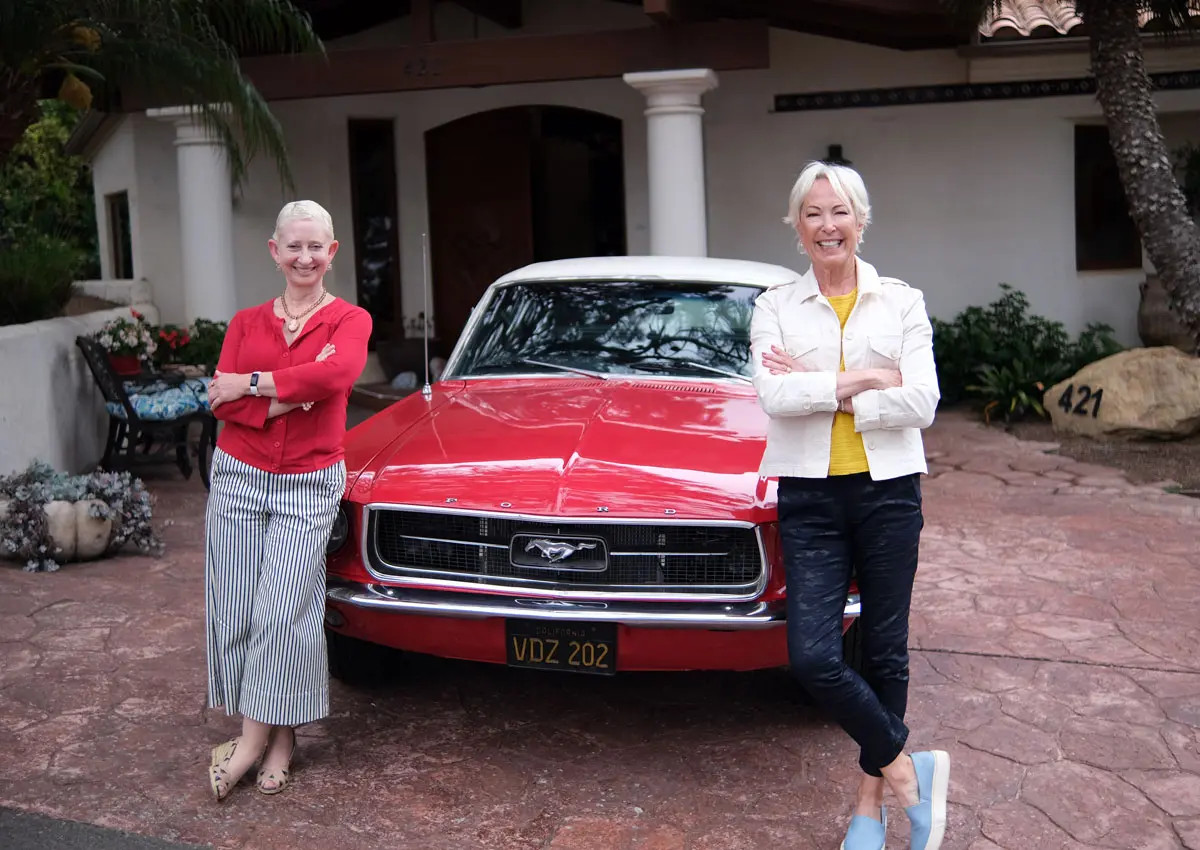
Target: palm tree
{"x": 1125, "y": 92}
{"x": 173, "y": 52}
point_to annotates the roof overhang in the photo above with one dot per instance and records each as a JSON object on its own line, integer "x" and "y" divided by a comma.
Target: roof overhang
{"x": 1053, "y": 20}
{"x": 719, "y": 34}
{"x": 900, "y": 24}
{"x": 719, "y": 45}
{"x": 91, "y": 131}
{"x": 896, "y": 24}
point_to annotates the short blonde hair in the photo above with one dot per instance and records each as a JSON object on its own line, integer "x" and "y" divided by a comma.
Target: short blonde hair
{"x": 303, "y": 211}
{"x": 846, "y": 183}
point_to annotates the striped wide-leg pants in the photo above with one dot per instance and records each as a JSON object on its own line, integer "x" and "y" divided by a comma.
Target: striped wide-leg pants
{"x": 265, "y": 590}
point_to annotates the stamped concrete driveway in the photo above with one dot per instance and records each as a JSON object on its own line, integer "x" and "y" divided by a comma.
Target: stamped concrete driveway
{"x": 1056, "y": 638}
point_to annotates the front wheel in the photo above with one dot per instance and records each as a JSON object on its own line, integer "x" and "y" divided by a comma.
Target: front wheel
{"x": 852, "y": 647}
{"x": 357, "y": 662}
{"x": 852, "y": 654}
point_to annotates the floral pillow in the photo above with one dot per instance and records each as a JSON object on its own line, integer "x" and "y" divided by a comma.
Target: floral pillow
{"x": 158, "y": 402}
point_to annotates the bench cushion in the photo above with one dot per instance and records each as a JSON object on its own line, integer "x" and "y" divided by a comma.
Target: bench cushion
{"x": 160, "y": 402}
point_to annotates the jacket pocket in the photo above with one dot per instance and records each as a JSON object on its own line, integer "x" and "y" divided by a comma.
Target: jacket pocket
{"x": 885, "y": 348}
{"x": 803, "y": 348}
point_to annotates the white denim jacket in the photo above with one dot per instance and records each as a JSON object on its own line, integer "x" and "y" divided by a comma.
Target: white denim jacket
{"x": 888, "y": 327}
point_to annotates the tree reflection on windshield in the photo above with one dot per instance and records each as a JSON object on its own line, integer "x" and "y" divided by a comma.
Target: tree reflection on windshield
{"x": 616, "y": 327}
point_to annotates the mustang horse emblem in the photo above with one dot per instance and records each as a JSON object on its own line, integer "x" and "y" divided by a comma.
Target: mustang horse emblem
{"x": 556, "y": 550}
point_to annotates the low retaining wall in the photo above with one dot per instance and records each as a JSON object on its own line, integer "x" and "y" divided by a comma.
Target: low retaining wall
{"x": 117, "y": 291}
{"x": 50, "y": 406}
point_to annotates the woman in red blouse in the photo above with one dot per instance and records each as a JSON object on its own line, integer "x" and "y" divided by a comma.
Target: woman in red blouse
{"x": 281, "y": 387}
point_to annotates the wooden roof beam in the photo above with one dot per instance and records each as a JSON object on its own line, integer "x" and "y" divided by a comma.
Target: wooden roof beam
{"x": 722, "y": 46}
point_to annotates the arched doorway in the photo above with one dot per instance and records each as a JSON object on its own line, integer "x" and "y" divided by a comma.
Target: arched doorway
{"x": 514, "y": 186}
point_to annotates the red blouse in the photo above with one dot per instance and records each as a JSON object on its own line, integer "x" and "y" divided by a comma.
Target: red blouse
{"x": 301, "y": 440}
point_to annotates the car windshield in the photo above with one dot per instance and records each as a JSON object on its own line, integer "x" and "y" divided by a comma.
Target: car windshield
{"x": 607, "y": 328}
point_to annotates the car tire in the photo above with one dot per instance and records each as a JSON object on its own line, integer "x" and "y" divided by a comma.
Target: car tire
{"x": 852, "y": 653}
{"x": 354, "y": 662}
{"x": 852, "y": 647}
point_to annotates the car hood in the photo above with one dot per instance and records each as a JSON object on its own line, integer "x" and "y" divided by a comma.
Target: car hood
{"x": 571, "y": 447}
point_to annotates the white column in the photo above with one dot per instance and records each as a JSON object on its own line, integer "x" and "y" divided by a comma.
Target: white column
{"x": 675, "y": 142}
{"x": 205, "y": 217}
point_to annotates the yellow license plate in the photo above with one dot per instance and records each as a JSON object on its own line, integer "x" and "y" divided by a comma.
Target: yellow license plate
{"x": 569, "y": 647}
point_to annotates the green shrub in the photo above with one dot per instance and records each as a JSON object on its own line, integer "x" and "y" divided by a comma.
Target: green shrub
{"x": 203, "y": 347}
{"x": 1003, "y": 358}
{"x": 43, "y": 190}
{"x": 37, "y": 278}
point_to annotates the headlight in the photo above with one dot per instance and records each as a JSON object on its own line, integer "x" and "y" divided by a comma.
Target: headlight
{"x": 341, "y": 530}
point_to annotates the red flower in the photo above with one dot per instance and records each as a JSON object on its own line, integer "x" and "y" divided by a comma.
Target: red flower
{"x": 136, "y": 314}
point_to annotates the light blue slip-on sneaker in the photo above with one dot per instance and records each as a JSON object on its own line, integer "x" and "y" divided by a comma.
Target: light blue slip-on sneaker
{"x": 866, "y": 833}
{"x": 928, "y": 817}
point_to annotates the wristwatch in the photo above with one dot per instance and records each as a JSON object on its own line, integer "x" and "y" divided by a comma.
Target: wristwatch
{"x": 254, "y": 383}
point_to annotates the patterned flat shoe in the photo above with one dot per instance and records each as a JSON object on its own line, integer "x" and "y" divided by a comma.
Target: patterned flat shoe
{"x": 277, "y": 777}
{"x": 220, "y": 780}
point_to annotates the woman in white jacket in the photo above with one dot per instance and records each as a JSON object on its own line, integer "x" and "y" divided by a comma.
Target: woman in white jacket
{"x": 844, "y": 368}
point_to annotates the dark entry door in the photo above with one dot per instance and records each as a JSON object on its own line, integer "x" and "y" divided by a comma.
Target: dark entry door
{"x": 480, "y": 209}
{"x": 515, "y": 186}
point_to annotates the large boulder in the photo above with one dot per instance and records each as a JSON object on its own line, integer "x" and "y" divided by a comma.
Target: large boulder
{"x": 1142, "y": 392}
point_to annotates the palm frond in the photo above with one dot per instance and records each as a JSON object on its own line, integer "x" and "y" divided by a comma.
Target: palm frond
{"x": 1169, "y": 15}
{"x": 174, "y": 52}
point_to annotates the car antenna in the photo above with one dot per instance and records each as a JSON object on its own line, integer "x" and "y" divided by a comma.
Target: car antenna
{"x": 427, "y": 390}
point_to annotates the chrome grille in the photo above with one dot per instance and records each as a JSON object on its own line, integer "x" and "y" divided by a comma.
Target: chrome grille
{"x": 671, "y": 557}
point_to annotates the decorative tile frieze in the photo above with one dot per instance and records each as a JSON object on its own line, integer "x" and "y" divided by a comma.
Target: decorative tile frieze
{"x": 964, "y": 93}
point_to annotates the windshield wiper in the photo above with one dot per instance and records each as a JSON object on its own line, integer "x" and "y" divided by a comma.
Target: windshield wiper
{"x": 528, "y": 362}
{"x": 656, "y": 366}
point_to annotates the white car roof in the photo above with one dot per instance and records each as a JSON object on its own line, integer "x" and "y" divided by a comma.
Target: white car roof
{"x": 706, "y": 269}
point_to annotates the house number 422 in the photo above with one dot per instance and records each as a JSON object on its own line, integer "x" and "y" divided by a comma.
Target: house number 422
{"x": 1087, "y": 402}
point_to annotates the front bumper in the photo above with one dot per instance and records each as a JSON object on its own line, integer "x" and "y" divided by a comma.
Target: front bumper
{"x": 663, "y": 636}
{"x": 656, "y": 615}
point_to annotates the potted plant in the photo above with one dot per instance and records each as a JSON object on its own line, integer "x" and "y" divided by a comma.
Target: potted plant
{"x": 203, "y": 345}
{"x": 49, "y": 517}
{"x": 128, "y": 342}
{"x": 172, "y": 341}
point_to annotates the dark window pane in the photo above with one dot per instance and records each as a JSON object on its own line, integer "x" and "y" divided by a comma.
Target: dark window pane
{"x": 376, "y": 230}
{"x": 1105, "y": 235}
{"x": 120, "y": 240}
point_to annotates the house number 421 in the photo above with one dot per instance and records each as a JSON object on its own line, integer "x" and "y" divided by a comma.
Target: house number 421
{"x": 1087, "y": 402}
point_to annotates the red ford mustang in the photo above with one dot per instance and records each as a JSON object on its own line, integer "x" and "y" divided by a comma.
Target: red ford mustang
{"x": 579, "y": 491}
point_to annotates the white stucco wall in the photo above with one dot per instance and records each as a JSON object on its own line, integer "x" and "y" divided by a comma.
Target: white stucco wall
{"x": 156, "y": 252}
{"x": 965, "y": 195}
{"x": 51, "y": 409}
{"x": 114, "y": 169}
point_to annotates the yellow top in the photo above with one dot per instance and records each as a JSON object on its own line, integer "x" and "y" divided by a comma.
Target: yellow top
{"x": 846, "y": 453}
